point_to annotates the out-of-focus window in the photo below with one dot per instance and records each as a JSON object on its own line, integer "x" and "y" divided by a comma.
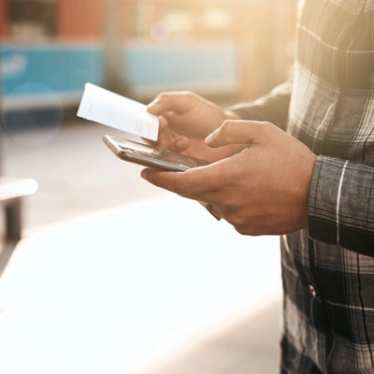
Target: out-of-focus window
{"x": 186, "y": 19}
{"x": 263, "y": 33}
{"x": 32, "y": 19}
{"x": 206, "y": 19}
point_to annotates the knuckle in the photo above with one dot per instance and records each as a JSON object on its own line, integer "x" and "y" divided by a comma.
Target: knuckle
{"x": 190, "y": 97}
{"x": 164, "y": 95}
{"x": 268, "y": 126}
{"x": 235, "y": 219}
{"x": 187, "y": 93}
{"x": 230, "y": 205}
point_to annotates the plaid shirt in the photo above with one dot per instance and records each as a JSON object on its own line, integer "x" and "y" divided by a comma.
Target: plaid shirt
{"x": 328, "y": 268}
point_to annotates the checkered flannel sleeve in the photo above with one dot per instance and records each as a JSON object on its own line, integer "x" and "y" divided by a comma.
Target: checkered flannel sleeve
{"x": 273, "y": 107}
{"x": 341, "y": 204}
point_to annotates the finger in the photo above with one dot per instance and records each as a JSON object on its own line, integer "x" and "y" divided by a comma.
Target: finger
{"x": 163, "y": 122}
{"x": 195, "y": 183}
{"x": 237, "y": 132}
{"x": 168, "y": 139}
{"x": 182, "y": 143}
{"x": 156, "y": 107}
{"x": 165, "y": 141}
{"x": 174, "y": 143}
{"x": 178, "y": 102}
{"x": 166, "y": 136}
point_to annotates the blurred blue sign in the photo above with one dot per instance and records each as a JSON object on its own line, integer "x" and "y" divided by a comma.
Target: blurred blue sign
{"x": 38, "y": 71}
{"x": 33, "y": 75}
{"x": 202, "y": 67}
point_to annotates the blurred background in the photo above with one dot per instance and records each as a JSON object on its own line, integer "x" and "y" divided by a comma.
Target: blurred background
{"x": 88, "y": 204}
{"x": 228, "y": 51}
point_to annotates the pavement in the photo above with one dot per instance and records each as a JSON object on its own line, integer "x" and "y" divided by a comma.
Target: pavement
{"x": 116, "y": 276}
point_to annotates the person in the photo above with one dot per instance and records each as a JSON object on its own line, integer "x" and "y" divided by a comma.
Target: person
{"x": 299, "y": 163}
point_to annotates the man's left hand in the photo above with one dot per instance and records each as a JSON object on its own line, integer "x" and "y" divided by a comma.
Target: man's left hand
{"x": 261, "y": 190}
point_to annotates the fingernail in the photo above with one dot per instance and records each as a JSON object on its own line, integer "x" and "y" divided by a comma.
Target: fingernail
{"x": 144, "y": 174}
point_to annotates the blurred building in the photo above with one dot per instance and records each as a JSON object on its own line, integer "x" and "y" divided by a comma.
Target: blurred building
{"x": 235, "y": 49}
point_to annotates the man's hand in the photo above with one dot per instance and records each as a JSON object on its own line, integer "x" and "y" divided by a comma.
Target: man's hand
{"x": 189, "y": 114}
{"x": 263, "y": 189}
{"x": 185, "y": 120}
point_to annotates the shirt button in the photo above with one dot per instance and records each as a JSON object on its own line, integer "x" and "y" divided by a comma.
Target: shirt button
{"x": 312, "y": 291}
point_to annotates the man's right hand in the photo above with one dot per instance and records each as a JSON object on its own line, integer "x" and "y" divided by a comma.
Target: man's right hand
{"x": 189, "y": 114}
{"x": 186, "y": 120}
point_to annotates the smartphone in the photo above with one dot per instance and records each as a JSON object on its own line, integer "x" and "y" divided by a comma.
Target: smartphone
{"x": 149, "y": 156}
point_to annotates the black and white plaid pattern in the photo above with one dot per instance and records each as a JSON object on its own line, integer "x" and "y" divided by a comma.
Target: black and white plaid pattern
{"x": 328, "y": 268}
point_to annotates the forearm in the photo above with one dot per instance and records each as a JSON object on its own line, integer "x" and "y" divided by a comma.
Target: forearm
{"x": 341, "y": 204}
{"x": 273, "y": 107}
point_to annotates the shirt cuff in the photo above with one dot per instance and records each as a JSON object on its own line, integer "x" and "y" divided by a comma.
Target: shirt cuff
{"x": 341, "y": 204}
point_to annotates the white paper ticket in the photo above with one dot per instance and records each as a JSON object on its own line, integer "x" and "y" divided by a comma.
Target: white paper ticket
{"x": 113, "y": 110}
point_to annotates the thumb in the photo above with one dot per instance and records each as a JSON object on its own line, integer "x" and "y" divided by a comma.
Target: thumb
{"x": 236, "y": 132}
